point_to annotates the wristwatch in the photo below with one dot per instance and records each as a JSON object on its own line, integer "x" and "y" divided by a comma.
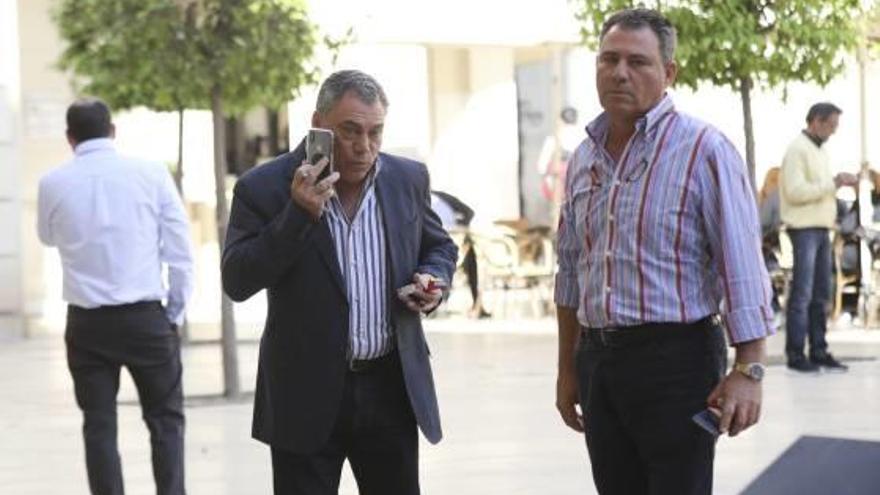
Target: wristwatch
{"x": 755, "y": 371}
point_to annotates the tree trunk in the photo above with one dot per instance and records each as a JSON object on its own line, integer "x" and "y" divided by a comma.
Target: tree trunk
{"x": 745, "y": 91}
{"x": 178, "y": 171}
{"x": 274, "y": 132}
{"x": 229, "y": 343}
{"x": 178, "y": 181}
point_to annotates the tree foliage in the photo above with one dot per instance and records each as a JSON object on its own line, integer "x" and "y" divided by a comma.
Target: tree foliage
{"x": 744, "y": 43}
{"x": 769, "y": 42}
{"x": 171, "y": 54}
{"x": 129, "y": 52}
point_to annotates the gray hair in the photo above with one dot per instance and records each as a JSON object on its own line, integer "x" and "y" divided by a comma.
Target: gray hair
{"x": 632, "y": 19}
{"x": 367, "y": 89}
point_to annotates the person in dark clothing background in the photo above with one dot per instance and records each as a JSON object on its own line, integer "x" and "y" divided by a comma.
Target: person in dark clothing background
{"x": 455, "y": 214}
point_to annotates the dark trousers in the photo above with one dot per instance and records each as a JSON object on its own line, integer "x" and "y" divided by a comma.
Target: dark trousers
{"x": 809, "y": 293}
{"x": 375, "y": 431}
{"x": 638, "y": 395}
{"x": 138, "y": 336}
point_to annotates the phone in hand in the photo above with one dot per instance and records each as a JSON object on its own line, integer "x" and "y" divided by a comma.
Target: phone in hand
{"x": 319, "y": 144}
{"x": 708, "y": 421}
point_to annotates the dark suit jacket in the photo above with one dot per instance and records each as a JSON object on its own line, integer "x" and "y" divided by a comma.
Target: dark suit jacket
{"x": 273, "y": 244}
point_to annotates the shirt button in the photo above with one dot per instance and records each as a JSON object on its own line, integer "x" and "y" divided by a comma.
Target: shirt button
{"x": 610, "y": 218}
{"x": 607, "y": 254}
{"x": 607, "y": 289}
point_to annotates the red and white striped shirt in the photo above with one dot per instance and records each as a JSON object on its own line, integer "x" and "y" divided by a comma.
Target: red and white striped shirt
{"x": 666, "y": 234}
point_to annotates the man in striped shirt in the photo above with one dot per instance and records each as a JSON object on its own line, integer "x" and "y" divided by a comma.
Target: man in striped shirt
{"x": 658, "y": 236}
{"x": 343, "y": 370}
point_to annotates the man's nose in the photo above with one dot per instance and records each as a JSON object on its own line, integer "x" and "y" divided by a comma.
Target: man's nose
{"x": 361, "y": 143}
{"x": 621, "y": 71}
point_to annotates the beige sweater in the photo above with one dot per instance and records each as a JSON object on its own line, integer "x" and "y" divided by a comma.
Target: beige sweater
{"x": 808, "y": 196}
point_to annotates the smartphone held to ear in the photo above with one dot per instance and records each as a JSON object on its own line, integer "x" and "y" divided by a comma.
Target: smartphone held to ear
{"x": 319, "y": 144}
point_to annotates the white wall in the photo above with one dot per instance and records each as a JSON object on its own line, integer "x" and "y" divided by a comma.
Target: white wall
{"x": 11, "y": 298}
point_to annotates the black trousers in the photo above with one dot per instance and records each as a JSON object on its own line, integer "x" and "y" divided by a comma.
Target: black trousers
{"x": 375, "y": 431}
{"x": 638, "y": 395}
{"x": 138, "y": 336}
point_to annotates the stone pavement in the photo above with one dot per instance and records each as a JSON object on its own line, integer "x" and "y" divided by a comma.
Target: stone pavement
{"x": 496, "y": 384}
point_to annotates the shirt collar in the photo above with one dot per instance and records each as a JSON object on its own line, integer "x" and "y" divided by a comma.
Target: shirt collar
{"x": 815, "y": 139}
{"x": 92, "y": 145}
{"x": 368, "y": 184}
{"x": 599, "y": 127}
{"x": 371, "y": 179}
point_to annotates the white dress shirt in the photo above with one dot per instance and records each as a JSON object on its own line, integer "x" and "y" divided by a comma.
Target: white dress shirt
{"x": 116, "y": 221}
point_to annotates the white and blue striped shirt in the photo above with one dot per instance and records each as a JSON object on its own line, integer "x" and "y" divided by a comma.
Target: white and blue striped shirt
{"x": 361, "y": 251}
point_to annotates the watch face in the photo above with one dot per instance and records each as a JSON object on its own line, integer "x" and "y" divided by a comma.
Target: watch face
{"x": 756, "y": 371}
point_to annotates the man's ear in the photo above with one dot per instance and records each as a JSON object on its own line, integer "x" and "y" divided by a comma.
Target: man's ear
{"x": 671, "y": 73}
{"x": 112, "y": 134}
{"x": 316, "y": 119}
{"x": 70, "y": 140}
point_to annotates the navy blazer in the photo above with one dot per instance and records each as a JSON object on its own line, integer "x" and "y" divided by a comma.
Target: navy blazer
{"x": 273, "y": 244}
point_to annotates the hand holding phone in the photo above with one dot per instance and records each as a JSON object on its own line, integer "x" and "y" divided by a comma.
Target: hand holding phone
{"x": 709, "y": 421}
{"x": 319, "y": 144}
{"x": 424, "y": 294}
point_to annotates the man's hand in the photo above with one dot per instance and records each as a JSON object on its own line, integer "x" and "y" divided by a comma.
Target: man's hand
{"x": 567, "y": 400}
{"x": 309, "y": 193}
{"x": 423, "y": 295}
{"x": 845, "y": 179}
{"x": 738, "y": 397}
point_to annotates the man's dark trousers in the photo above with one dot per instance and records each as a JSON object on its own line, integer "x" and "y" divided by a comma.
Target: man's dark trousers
{"x": 375, "y": 431}
{"x": 638, "y": 395}
{"x": 138, "y": 336}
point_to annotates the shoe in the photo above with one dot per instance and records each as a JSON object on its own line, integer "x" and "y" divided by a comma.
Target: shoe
{"x": 828, "y": 362}
{"x": 803, "y": 366}
{"x": 479, "y": 314}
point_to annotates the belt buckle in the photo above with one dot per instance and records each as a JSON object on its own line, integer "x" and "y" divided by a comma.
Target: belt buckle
{"x": 606, "y": 336}
{"x": 357, "y": 365}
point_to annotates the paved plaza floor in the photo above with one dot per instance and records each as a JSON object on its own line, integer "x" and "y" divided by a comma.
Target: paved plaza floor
{"x": 496, "y": 384}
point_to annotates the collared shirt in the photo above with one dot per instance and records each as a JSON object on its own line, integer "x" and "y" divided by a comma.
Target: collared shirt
{"x": 116, "y": 221}
{"x": 665, "y": 234}
{"x": 815, "y": 139}
{"x": 361, "y": 251}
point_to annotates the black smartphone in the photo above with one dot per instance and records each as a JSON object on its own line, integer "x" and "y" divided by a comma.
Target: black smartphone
{"x": 708, "y": 421}
{"x": 319, "y": 144}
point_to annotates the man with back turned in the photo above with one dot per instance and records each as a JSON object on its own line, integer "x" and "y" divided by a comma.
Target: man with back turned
{"x": 117, "y": 223}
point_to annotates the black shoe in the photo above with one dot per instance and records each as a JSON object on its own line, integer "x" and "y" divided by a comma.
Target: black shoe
{"x": 828, "y": 362}
{"x": 803, "y": 366}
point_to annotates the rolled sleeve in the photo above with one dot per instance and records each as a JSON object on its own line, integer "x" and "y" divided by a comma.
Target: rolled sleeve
{"x": 567, "y": 291}
{"x": 747, "y": 324}
{"x": 734, "y": 235}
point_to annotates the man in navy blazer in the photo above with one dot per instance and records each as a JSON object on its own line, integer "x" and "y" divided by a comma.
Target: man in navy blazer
{"x": 344, "y": 367}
